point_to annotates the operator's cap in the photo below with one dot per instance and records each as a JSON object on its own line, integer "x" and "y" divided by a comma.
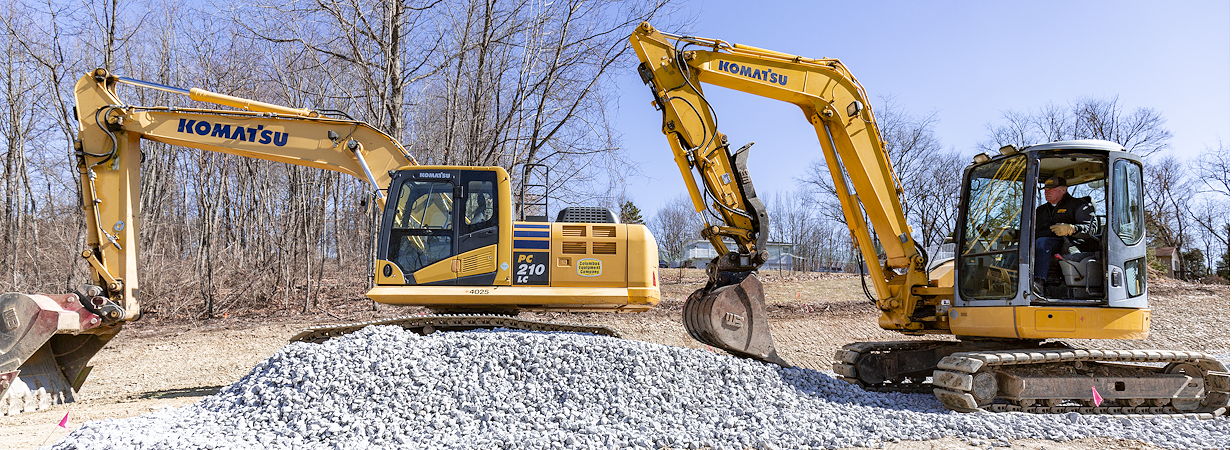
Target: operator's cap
{"x": 1052, "y": 182}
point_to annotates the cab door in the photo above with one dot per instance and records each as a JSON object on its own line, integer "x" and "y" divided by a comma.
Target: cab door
{"x": 991, "y": 263}
{"x": 477, "y": 230}
{"x": 418, "y": 239}
{"x": 1126, "y": 280}
{"x": 439, "y": 228}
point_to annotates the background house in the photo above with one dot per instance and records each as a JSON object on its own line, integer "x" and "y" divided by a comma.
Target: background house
{"x": 1170, "y": 259}
{"x": 698, "y": 253}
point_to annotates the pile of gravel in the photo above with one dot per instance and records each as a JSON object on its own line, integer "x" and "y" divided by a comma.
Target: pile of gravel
{"x": 386, "y": 387}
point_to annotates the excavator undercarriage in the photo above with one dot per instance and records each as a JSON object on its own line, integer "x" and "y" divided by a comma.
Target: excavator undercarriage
{"x": 1040, "y": 377}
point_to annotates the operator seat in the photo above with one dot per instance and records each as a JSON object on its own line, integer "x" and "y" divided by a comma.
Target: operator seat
{"x": 1081, "y": 266}
{"x": 1082, "y": 270}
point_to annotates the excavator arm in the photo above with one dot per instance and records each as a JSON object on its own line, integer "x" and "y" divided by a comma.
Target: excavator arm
{"x": 46, "y": 341}
{"x": 729, "y": 312}
{"x": 109, "y": 157}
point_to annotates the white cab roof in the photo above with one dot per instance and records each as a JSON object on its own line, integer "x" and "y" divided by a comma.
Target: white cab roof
{"x": 1081, "y": 144}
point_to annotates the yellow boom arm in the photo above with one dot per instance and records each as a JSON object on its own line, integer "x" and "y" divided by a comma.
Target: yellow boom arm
{"x": 833, "y": 102}
{"x": 109, "y": 158}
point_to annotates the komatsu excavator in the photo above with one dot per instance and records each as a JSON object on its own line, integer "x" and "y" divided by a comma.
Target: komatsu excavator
{"x": 447, "y": 239}
{"x": 1005, "y": 357}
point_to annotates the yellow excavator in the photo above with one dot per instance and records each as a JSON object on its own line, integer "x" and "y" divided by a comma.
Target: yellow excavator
{"x": 447, "y": 239}
{"x": 1006, "y": 312}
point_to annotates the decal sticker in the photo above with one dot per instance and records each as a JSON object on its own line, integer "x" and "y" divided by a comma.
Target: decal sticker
{"x": 530, "y": 268}
{"x": 259, "y": 134}
{"x": 767, "y": 75}
{"x": 589, "y": 267}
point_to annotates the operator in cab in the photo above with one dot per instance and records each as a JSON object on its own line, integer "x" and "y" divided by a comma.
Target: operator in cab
{"x": 1061, "y": 216}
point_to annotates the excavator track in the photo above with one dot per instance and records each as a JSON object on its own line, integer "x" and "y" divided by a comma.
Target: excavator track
{"x": 448, "y": 322}
{"x": 1049, "y": 381}
{"x": 905, "y": 366}
{"x": 848, "y": 359}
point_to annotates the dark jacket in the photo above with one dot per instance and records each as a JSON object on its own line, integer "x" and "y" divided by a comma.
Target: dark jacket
{"x": 1072, "y": 210}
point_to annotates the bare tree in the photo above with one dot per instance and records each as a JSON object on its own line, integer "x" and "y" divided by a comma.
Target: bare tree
{"x": 528, "y": 83}
{"x": 674, "y": 226}
{"x": 1167, "y": 190}
{"x": 1209, "y": 214}
{"x": 796, "y": 221}
{"x": 934, "y": 198}
{"x": 1208, "y": 208}
{"x": 17, "y": 125}
{"x": 1211, "y": 168}
{"x": 371, "y": 49}
{"x": 1141, "y": 130}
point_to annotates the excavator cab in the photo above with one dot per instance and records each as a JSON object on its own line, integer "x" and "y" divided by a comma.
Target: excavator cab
{"x": 448, "y": 242}
{"x": 1008, "y": 254}
{"x": 441, "y": 226}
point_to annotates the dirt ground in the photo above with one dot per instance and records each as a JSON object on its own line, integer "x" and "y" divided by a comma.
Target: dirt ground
{"x": 155, "y": 364}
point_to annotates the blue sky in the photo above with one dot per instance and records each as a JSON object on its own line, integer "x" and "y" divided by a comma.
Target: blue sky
{"x": 965, "y": 62}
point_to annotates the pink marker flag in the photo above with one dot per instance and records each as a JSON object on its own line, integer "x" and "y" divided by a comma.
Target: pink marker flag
{"x": 64, "y": 421}
{"x": 1094, "y": 396}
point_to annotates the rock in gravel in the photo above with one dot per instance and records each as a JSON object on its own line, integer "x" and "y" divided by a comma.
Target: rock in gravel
{"x": 386, "y": 387}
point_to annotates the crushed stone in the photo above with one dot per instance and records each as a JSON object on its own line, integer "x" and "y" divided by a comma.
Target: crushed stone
{"x": 386, "y": 387}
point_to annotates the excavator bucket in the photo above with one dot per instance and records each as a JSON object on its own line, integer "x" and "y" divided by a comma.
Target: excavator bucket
{"x": 46, "y": 342}
{"x": 732, "y": 318}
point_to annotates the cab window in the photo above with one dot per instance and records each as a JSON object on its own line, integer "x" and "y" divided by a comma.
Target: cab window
{"x": 1127, "y": 202}
{"x": 424, "y": 205}
{"x": 421, "y": 232}
{"x": 991, "y": 229}
{"x": 1087, "y": 178}
{"x": 479, "y": 201}
{"x": 479, "y": 192}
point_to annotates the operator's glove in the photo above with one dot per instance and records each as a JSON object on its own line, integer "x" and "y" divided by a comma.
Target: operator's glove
{"x": 1062, "y": 229}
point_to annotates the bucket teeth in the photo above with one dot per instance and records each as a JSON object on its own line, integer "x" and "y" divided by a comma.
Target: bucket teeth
{"x": 38, "y": 385}
{"x": 46, "y": 343}
{"x": 733, "y": 318}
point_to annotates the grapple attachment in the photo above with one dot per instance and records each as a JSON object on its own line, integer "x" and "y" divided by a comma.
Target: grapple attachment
{"x": 46, "y": 342}
{"x": 732, "y": 317}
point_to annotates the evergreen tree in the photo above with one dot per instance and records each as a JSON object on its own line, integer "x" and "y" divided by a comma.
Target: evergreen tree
{"x": 1193, "y": 263}
{"x": 629, "y": 213}
{"x": 1221, "y": 267}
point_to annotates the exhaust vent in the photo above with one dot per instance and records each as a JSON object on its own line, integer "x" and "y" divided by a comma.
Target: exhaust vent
{"x": 573, "y": 248}
{"x": 586, "y": 214}
{"x": 481, "y": 262}
{"x": 605, "y": 248}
